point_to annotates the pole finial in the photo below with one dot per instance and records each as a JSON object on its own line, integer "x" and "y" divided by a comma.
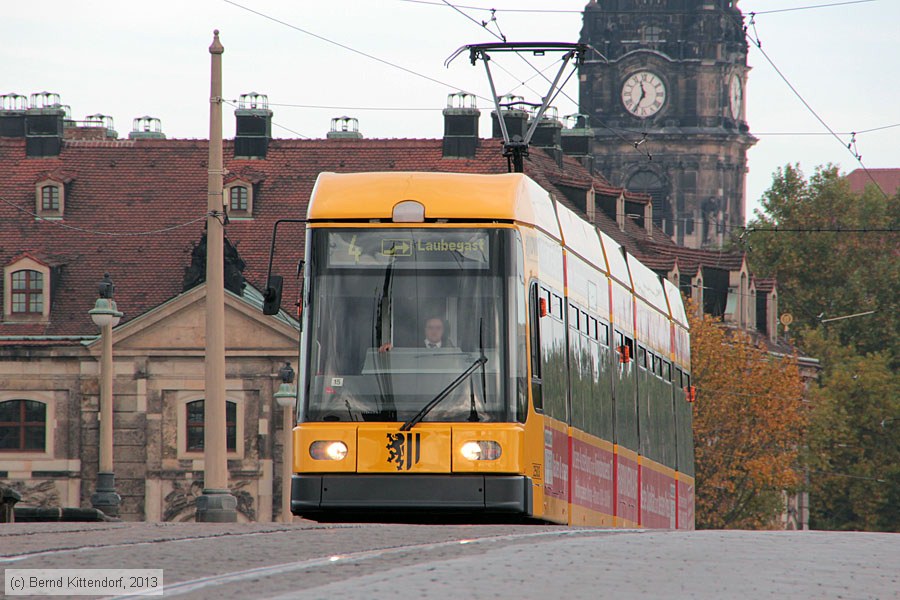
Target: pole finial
{"x": 216, "y": 47}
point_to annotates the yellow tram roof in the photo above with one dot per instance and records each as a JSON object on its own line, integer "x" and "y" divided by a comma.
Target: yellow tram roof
{"x": 364, "y": 196}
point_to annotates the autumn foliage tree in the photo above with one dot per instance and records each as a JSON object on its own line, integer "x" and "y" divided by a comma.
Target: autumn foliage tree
{"x": 749, "y": 423}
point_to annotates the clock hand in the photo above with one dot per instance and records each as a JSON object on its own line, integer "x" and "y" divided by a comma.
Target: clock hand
{"x": 641, "y": 99}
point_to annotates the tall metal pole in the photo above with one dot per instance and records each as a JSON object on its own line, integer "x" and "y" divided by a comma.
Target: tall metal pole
{"x": 106, "y": 405}
{"x": 105, "y": 497}
{"x": 106, "y": 315}
{"x": 216, "y": 504}
{"x": 286, "y": 398}
{"x": 287, "y": 469}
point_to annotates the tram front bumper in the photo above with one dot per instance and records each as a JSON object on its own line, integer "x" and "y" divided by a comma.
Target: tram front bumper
{"x": 510, "y": 494}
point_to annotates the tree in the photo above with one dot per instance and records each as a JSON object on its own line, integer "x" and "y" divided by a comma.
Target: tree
{"x": 853, "y": 455}
{"x": 854, "y": 440}
{"x": 827, "y": 274}
{"x": 749, "y": 422}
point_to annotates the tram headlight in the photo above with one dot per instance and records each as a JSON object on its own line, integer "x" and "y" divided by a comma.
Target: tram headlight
{"x": 328, "y": 450}
{"x": 481, "y": 450}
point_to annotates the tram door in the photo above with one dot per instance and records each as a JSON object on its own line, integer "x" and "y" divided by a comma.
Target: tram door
{"x": 550, "y": 391}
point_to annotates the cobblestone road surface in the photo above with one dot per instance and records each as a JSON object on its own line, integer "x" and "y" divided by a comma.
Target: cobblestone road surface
{"x": 307, "y": 560}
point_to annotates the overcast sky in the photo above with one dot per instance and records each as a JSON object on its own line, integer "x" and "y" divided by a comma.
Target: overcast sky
{"x": 111, "y": 57}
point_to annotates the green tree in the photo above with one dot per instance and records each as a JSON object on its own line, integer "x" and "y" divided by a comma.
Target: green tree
{"x": 826, "y": 274}
{"x": 854, "y": 440}
{"x": 853, "y": 456}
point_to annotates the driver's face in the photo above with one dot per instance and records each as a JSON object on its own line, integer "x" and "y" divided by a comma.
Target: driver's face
{"x": 434, "y": 330}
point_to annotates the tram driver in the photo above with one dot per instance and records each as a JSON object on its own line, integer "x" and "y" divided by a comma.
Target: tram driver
{"x": 434, "y": 336}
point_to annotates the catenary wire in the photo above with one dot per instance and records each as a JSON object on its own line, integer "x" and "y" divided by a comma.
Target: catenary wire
{"x": 509, "y": 10}
{"x": 814, "y": 6}
{"x": 757, "y": 43}
{"x": 106, "y": 233}
{"x": 348, "y": 48}
{"x": 502, "y": 38}
{"x": 297, "y": 133}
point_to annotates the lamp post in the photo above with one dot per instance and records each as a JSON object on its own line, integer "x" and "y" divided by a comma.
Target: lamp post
{"x": 216, "y": 504}
{"x": 286, "y": 397}
{"x": 106, "y": 316}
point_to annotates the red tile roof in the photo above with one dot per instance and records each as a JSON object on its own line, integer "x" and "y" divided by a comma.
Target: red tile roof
{"x": 887, "y": 179}
{"x": 135, "y": 209}
{"x": 119, "y": 189}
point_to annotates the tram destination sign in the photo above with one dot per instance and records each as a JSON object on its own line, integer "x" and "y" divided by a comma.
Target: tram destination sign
{"x": 410, "y": 249}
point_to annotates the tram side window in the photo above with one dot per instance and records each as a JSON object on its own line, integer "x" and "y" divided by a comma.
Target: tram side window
{"x": 573, "y": 317}
{"x": 642, "y": 357}
{"x": 667, "y": 371}
{"x": 603, "y": 333}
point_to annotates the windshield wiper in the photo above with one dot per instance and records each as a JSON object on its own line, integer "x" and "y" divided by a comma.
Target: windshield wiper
{"x": 480, "y": 361}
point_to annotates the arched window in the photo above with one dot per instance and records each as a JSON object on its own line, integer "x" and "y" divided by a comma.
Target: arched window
{"x": 27, "y": 292}
{"x": 648, "y": 182}
{"x": 50, "y": 197}
{"x": 23, "y": 426}
{"x": 195, "y": 424}
{"x": 238, "y": 198}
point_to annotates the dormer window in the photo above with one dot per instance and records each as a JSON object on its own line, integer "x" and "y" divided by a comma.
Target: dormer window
{"x": 27, "y": 293}
{"x": 26, "y": 290}
{"x": 50, "y": 199}
{"x": 239, "y": 199}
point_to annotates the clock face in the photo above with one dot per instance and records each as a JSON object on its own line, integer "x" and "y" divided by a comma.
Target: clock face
{"x": 736, "y": 96}
{"x": 644, "y": 94}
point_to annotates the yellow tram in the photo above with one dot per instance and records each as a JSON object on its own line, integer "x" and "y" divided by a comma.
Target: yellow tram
{"x": 470, "y": 346}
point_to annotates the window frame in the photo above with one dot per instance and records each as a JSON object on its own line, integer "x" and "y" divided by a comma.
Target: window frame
{"x": 26, "y": 460}
{"x": 50, "y": 201}
{"x": 26, "y": 263}
{"x": 201, "y": 424}
{"x": 241, "y": 200}
{"x": 29, "y": 293}
{"x": 60, "y": 198}
{"x": 21, "y": 425}
{"x": 182, "y": 399}
{"x": 239, "y": 213}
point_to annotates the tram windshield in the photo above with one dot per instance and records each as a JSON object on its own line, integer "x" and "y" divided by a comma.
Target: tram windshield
{"x": 397, "y": 315}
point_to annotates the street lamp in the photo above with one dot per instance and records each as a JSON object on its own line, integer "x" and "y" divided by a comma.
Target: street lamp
{"x": 106, "y": 316}
{"x": 286, "y": 397}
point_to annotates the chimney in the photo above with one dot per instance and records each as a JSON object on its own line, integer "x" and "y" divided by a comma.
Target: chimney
{"x": 93, "y": 127}
{"x": 514, "y": 116}
{"x": 146, "y": 128}
{"x": 547, "y": 134}
{"x": 44, "y": 125}
{"x": 12, "y": 115}
{"x": 460, "y": 126}
{"x": 253, "y": 126}
{"x": 344, "y": 128}
{"x": 576, "y": 139}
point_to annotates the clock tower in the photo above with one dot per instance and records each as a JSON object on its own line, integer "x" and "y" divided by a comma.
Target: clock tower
{"x": 663, "y": 85}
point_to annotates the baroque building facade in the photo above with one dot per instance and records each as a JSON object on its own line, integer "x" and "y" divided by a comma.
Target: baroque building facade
{"x": 664, "y": 86}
